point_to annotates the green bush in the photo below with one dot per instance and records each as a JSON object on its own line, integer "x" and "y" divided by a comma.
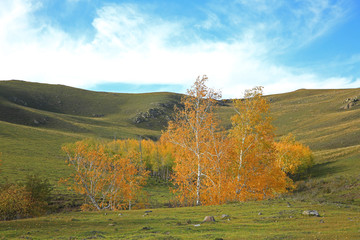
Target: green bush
{"x": 40, "y": 189}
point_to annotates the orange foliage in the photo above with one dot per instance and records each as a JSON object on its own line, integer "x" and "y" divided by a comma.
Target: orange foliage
{"x": 292, "y": 157}
{"x": 214, "y": 168}
{"x": 194, "y": 134}
{"x": 209, "y": 165}
{"x": 257, "y": 175}
{"x": 110, "y": 181}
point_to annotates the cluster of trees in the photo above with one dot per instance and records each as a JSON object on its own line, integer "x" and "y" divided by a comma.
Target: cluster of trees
{"x": 111, "y": 174}
{"x": 214, "y": 166}
{"x": 206, "y": 164}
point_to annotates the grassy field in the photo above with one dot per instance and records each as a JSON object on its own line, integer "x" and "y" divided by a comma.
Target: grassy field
{"x": 36, "y": 119}
{"x": 272, "y": 219}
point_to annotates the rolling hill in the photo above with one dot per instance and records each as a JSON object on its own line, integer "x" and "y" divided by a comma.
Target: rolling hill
{"x": 36, "y": 119}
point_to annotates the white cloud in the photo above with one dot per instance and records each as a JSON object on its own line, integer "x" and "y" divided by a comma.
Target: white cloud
{"x": 132, "y": 46}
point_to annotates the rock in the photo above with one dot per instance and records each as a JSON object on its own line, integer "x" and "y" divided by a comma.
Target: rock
{"x": 311, "y": 213}
{"x": 153, "y": 113}
{"x": 209, "y": 219}
{"x": 146, "y": 228}
{"x": 148, "y": 211}
{"x": 225, "y": 216}
{"x": 260, "y": 213}
{"x": 322, "y": 221}
{"x": 197, "y": 225}
{"x": 350, "y": 102}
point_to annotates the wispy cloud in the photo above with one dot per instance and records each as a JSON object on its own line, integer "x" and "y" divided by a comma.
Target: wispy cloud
{"x": 132, "y": 45}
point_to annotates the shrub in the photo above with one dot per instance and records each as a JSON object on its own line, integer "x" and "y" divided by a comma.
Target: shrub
{"x": 293, "y": 157}
{"x": 40, "y": 189}
{"x": 15, "y": 203}
{"x": 28, "y": 199}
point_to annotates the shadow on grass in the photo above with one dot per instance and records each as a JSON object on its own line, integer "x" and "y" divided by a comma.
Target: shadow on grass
{"x": 325, "y": 169}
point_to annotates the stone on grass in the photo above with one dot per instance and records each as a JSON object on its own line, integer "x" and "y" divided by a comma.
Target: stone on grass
{"x": 225, "y": 216}
{"x": 209, "y": 219}
{"x": 311, "y": 213}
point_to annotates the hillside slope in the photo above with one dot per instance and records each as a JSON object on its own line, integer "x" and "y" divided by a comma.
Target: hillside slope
{"x": 64, "y": 108}
{"x": 36, "y": 119}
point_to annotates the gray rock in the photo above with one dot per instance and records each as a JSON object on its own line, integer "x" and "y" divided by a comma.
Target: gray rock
{"x": 209, "y": 219}
{"x": 225, "y": 216}
{"x": 311, "y": 213}
{"x": 350, "y": 102}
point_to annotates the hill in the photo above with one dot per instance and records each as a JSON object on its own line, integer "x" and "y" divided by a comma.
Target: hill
{"x": 36, "y": 119}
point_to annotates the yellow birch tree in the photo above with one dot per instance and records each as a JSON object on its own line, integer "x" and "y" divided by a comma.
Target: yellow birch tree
{"x": 189, "y": 132}
{"x": 256, "y": 173}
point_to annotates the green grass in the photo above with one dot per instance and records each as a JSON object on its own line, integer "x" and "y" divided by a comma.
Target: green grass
{"x": 277, "y": 221}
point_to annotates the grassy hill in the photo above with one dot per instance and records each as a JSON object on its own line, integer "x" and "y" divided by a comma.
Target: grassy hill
{"x": 36, "y": 119}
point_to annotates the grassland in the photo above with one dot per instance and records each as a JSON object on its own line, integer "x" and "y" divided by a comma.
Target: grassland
{"x": 254, "y": 220}
{"x": 36, "y": 119}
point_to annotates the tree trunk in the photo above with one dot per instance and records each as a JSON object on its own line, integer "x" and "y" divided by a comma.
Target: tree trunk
{"x": 198, "y": 186}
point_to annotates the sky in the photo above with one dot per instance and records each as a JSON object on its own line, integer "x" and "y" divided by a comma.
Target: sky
{"x": 164, "y": 45}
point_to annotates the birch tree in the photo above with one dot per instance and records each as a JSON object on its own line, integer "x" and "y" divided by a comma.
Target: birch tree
{"x": 189, "y": 132}
{"x": 252, "y": 134}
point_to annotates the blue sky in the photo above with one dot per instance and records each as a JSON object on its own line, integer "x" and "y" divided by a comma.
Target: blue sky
{"x": 153, "y": 45}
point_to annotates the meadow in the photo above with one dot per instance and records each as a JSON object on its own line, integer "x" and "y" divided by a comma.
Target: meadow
{"x": 272, "y": 219}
